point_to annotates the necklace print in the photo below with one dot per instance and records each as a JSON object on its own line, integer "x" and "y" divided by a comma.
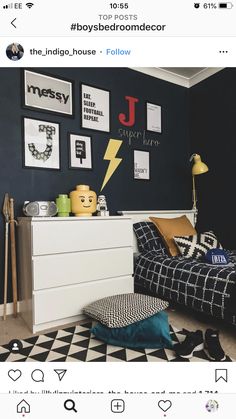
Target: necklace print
{"x": 43, "y": 155}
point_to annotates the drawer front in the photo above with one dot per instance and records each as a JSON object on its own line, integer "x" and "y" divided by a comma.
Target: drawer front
{"x": 55, "y": 304}
{"x": 74, "y": 268}
{"x": 71, "y": 236}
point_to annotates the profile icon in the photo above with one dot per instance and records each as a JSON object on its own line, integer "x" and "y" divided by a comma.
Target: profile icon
{"x": 212, "y": 406}
{"x": 15, "y": 346}
{"x": 14, "y": 51}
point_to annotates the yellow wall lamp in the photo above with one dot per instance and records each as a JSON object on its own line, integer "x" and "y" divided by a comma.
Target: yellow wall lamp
{"x": 198, "y": 169}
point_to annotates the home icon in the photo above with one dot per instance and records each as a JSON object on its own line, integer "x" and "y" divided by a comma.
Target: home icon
{"x": 23, "y": 407}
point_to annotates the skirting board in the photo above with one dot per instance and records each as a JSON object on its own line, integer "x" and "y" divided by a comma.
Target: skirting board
{"x": 9, "y": 308}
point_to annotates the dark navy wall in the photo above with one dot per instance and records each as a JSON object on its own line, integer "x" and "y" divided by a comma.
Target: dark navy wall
{"x": 170, "y": 184}
{"x": 213, "y": 135}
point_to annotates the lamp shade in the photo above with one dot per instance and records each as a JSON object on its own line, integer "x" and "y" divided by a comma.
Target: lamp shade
{"x": 198, "y": 166}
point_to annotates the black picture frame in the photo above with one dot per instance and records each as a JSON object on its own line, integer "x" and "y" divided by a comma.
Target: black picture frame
{"x": 158, "y": 130}
{"x": 27, "y": 154}
{"x": 93, "y": 126}
{"x": 25, "y": 104}
{"x": 135, "y": 168}
{"x": 84, "y": 149}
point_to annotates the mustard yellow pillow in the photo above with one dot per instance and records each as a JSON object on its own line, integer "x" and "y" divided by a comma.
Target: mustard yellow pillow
{"x": 170, "y": 227}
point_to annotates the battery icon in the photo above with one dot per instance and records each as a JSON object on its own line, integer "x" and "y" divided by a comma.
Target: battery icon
{"x": 227, "y": 5}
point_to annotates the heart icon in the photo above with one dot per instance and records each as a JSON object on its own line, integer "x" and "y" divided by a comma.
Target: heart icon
{"x": 14, "y": 374}
{"x": 164, "y": 405}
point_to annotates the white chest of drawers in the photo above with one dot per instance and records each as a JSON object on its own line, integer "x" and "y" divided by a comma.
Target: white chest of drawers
{"x": 66, "y": 263}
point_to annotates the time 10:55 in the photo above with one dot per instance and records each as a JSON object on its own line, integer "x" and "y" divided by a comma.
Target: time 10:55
{"x": 119, "y": 5}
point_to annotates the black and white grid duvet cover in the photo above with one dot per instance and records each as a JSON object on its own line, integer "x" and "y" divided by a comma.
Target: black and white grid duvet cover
{"x": 204, "y": 287}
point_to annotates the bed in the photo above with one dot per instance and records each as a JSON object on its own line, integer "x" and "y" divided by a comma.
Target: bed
{"x": 203, "y": 287}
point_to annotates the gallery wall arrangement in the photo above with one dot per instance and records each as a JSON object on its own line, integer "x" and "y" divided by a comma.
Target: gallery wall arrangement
{"x": 124, "y": 133}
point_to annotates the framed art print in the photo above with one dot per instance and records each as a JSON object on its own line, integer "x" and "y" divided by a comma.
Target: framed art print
{"x": 141, "y": 165}
{"x": 47, "y": 93}
{"x": 80, "y": 152}
{"x": 41, "y": 144}
{"x": 153, "y": 117}
{"x": 95, "y": 108}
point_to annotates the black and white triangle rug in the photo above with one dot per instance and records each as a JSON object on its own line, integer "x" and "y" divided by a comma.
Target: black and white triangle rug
{"x": 78, "y": 344}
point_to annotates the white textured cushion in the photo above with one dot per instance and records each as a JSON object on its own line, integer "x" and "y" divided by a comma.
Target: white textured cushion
{"x": 124, "y": 309}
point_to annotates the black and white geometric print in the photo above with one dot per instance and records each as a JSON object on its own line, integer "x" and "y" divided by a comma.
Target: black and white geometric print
{"x": 206, "y": 288}
{"x": 124, "y": 309}
{"x": 76, "y": 344}
{"x": 43, "y": 155}
{"x": 197, "y": 246}
{"x": 148, "y": 237}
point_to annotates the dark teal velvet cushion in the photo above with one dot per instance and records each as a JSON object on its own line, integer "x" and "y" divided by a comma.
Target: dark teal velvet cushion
{"x": 152, "y": 332}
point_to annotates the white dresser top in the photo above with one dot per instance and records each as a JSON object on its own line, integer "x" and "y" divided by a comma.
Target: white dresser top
{"x": 74, "y": 219}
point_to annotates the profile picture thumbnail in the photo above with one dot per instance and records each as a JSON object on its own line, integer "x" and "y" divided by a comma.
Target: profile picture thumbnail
{"x": 212, "y": 406}
{"x": 15, "y": 51}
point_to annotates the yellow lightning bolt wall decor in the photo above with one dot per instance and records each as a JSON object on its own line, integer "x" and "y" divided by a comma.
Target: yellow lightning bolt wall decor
{"x": 110, "y": 154}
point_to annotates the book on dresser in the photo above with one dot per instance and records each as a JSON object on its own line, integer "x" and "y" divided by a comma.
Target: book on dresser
{"x": 66, "y": 263}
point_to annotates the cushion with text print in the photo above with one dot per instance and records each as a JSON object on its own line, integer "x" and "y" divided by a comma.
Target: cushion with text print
{"x": 217, "y": 257}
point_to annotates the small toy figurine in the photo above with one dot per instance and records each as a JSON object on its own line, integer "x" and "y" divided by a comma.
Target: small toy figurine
{"x": 102, "y": 206}
{"x": 83, "y": 201}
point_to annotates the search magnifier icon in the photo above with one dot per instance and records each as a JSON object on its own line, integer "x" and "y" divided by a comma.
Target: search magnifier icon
{"x": 70, "y": 405}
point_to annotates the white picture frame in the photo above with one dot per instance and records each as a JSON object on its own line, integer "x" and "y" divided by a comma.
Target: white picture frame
{"x": 141, "y": 165}
{"x": 153, "y": 117}
{"x": 95, "y": 108}
{"x": 41, "y": 144}
{"x": 80, "y": 154}
{"x": 47, "y": 93}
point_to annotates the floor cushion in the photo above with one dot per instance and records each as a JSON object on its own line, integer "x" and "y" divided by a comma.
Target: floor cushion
{"x": 152, "y": 332}
{"x": 124, "y": 309}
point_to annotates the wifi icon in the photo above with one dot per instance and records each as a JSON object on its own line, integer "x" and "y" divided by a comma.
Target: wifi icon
{"x": 29, "y": 5}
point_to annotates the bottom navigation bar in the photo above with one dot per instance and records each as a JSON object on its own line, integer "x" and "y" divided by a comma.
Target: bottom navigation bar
{"x": 128, "y": 406}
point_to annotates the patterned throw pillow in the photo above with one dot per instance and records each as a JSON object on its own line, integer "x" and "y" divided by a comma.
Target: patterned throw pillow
{"x": 198, "y": 245}
{"x": 124, "y": 309}
{"x": 148, "y": 238}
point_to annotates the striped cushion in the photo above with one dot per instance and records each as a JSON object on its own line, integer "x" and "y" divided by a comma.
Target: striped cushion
{"x": 124, "y": 309}
{"x": 197, "y": 246}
